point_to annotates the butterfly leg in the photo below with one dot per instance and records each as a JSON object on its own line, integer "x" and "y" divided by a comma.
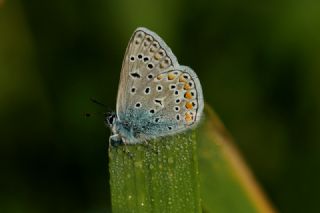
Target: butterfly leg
{"x": 149, "y": 146}
{"x": 115, "y": 140}
{"x": 126, "y": 150}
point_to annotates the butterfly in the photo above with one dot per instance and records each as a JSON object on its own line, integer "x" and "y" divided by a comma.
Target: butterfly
{"x": 157, "y": 97}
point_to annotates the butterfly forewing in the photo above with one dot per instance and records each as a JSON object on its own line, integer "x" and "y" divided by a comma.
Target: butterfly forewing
{"x": 146, "y": 54}
{"x": 157, "y": 95}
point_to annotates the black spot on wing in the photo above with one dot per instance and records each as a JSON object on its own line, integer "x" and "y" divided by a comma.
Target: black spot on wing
{"x": 135, "y": 75}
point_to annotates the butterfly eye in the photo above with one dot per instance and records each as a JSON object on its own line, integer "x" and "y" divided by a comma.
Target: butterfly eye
{"x": 110, "y": 118}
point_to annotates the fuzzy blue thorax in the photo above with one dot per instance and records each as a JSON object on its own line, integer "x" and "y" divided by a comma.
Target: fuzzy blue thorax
{"x": 137, "y": 126}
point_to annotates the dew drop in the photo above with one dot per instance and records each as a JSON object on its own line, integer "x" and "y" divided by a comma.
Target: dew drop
{"x": 170, "y": 160}
{"x": 138, "y": 164}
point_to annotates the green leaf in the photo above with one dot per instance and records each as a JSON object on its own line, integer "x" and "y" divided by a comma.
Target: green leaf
{"x": 159, "y": 177}
{"x": 164, "y": 176}
{"x": 227, "y": 184}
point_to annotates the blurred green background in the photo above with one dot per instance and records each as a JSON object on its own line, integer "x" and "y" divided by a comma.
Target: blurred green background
{"x": 258, "y": 63}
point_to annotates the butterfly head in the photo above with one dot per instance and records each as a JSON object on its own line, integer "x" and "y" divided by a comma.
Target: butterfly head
{"x": 110, "y": 118}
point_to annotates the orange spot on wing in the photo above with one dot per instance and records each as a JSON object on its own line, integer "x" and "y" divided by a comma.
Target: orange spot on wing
{"x": 157, "y": 56}
{"x": 182, "y": 79}
{"x": 188, "y": 117}
{"x": 171, "y": 76}
{"x": 189, "y": 105}
{"x": 188, "y": 95}
{"x": 187, "y": 86}
{"x": 160, "y": 77}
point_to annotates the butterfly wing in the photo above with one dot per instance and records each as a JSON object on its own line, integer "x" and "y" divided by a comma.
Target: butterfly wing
{"x": 156, "y": 95}
{"x": 146, "y": 54}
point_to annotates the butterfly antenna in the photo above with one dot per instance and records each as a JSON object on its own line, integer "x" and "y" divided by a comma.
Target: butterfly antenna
{"x": 98, "y": 103}
{"x": 88, "y": 114}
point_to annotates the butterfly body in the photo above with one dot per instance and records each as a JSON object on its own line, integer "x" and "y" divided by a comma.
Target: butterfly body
{"x": 157, "y": 96}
